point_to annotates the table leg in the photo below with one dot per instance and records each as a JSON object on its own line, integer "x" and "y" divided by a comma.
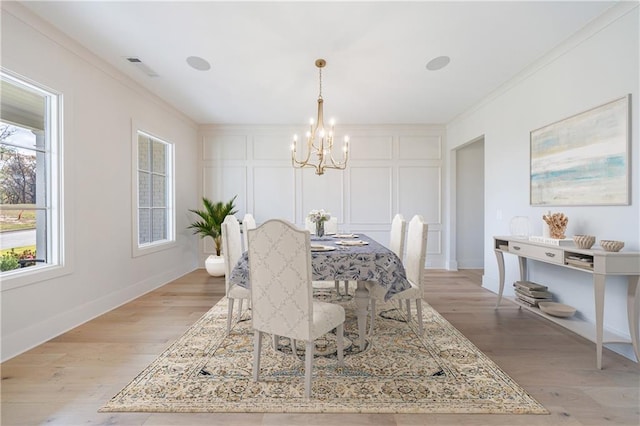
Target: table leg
{"x": 633, "y": 304}
{"x": 500, "y": 259}
{"x": 362, "y": 303}
{"x": 598, "y": 292}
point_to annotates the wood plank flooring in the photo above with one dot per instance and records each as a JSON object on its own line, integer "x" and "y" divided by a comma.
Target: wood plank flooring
{"x": 65, "y": 381}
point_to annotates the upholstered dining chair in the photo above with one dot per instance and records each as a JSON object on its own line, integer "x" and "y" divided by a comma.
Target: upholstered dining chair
{"x": 397, "y": 235}
{"x": 282, "y": 296}
{"x": 396, "y": 245}
{"x": 248, "y": 222}
{"x": 414, "y": 268}
{"x": 232, "y": 250}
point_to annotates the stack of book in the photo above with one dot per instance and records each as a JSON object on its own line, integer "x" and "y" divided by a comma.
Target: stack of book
{"x": 530, "y": 293}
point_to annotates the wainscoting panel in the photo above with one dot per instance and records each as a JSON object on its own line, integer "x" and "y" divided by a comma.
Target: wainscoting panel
{"x": 370, "y": 147}
{"x": 371, "y": 189}
{"x": 226, "y": 147}
{"x": 419, "y": 192}
{"x": 420, "y": 147}
{"x": 392, "y": 169}
{"x": 272, "y": 147}
{"x": 434, "y": 242}
{"x": 323, "y": 192}
{"x": 223, "y": 183}
{"x": 273, "y": 194}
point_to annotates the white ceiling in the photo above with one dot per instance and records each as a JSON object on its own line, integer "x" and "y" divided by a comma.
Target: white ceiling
{"x": 263, "y": 53}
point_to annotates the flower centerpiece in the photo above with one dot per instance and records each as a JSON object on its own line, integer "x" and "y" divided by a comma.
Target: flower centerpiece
{"x": 319, "y": 217}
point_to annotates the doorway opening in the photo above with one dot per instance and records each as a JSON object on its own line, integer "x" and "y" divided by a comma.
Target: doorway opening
{"x": 470, "y": 208}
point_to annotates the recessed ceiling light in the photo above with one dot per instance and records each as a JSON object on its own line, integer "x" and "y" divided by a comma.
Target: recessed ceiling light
{"x": 198, "y": 63}
{"x": 438, "y": 63}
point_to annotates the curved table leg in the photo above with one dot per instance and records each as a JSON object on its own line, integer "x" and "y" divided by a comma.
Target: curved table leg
{"x": 633, "y": 304}
{"x": 500, "y": 259}
{"x": 362, "y": 302}
{"x": 598, "y": 292}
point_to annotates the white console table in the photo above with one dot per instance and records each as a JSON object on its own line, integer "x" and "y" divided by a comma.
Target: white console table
{"x": 598, "y": 263}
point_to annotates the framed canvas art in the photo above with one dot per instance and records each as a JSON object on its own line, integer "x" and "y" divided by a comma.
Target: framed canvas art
{"x": 583, "y": 159}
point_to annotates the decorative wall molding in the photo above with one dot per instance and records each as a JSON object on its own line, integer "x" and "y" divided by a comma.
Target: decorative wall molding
{"x": 420, "y": 147}
{"x": 391, "y": 169}
{"x": 228, "y": 147}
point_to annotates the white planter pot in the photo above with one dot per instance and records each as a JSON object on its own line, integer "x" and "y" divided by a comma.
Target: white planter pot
{"x": 215, "y": 265}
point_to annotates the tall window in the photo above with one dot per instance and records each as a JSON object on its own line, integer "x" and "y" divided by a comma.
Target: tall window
{"x": 155, "y": 191}
{"x": 29, "y": 177}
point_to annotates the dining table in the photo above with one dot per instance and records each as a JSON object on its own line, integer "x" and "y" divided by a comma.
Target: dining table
{"x": 346, "y": 257}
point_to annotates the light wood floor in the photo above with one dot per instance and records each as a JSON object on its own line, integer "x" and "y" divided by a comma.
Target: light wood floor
{"x": 66, "y": 380}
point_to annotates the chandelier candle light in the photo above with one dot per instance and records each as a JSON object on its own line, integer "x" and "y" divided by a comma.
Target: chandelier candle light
{"x": 320, "y": 140}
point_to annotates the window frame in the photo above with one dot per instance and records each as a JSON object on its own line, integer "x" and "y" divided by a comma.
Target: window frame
{"x": 58, "y": 251}
{"x": 138, "y": 249}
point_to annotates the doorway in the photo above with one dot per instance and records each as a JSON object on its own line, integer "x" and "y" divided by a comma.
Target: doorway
{"x": 470, "y": 206}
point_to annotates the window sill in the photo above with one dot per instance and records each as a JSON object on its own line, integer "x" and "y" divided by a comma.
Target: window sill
{"x": 32, "y": 275}
{"x": 138, "y": 251}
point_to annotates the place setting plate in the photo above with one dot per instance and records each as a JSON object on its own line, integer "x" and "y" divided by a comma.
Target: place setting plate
{"x": 352, "y": 243}
{"x": 345, "y": 236}
{"x": 318, "y": 247}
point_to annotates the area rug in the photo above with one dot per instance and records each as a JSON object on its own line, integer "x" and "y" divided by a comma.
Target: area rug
{"x": 398, "y": 371}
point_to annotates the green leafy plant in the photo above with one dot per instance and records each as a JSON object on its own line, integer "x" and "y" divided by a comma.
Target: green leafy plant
{"x": 12, "y": 259}
{"x": 9, "y": 261}
{"x": 211, "y": 218}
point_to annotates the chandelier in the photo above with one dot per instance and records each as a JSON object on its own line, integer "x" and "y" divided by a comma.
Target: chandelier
{"x": 320, "y": 140}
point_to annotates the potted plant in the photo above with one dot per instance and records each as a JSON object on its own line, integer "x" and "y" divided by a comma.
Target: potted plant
{"x": 210, "y": 225}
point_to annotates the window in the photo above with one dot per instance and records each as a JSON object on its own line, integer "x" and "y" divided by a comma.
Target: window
{"x": 30, "y": 165}
{"x": 155, "y": 214}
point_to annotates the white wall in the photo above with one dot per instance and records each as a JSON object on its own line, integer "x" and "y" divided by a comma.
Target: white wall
{"x": 391, "y": 169}
{"x": 99, "y": 107}
{"x": 596, "y": 66}
{"x": 470, "y": 206}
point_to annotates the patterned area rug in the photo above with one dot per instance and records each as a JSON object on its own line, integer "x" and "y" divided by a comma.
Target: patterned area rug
{"x": 397, "y": 372}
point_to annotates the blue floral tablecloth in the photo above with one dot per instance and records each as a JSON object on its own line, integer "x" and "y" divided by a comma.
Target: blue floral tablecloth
{"x": 371, "y": 262}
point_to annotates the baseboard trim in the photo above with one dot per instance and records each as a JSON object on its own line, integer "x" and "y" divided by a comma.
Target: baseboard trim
{"x": 25, "y": 339}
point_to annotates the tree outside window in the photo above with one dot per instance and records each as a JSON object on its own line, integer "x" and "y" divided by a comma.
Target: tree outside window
{"x": 28, "y": 173}
{"x": 155, "y": 215}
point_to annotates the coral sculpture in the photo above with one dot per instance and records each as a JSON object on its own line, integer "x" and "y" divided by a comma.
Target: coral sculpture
{"x": 557, "y": 224}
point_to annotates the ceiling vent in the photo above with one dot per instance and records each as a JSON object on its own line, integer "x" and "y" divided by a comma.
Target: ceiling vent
{"x": 142, "y": 66}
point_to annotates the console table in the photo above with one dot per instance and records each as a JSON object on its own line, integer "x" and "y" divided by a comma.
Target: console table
{"x": 598, "y": 263}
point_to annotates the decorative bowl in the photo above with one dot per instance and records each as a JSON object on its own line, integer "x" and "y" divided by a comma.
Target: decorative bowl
{"x": 611, "y": 245}
{"x": 557, "y": 309}
{"x": 584, "y": 241}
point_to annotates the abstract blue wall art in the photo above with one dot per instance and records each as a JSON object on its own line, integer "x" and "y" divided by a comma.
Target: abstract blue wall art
{"x": 583, "y": 159}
